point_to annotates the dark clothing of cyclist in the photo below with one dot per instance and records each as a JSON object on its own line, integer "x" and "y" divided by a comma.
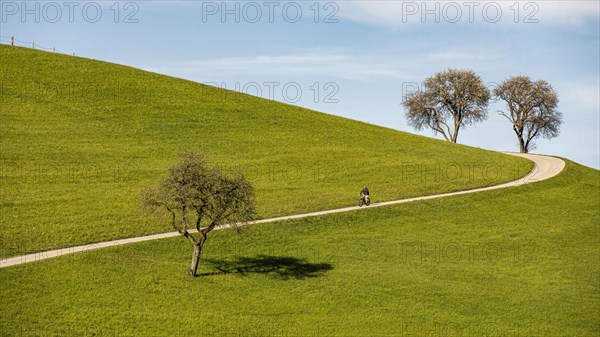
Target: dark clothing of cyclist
{"x": 365, "y": 191}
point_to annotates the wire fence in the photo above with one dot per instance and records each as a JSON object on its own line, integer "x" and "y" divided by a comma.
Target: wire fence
{"x": 12, "y": 41}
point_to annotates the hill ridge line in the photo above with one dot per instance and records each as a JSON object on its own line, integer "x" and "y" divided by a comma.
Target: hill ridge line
{"x": 545, "y": 167}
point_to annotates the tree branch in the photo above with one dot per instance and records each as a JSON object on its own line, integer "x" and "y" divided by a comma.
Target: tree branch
{"x": 173, "y": 222}
{"x": 207, "y": 229}
{"x": 442, "y": 123}
{"x": 190, "y": 237}
{"x": 198, "y": 220}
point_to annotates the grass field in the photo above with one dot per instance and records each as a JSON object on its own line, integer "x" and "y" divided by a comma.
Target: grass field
{"x": 522, "y": 261}
{"x": 80, "y": 138}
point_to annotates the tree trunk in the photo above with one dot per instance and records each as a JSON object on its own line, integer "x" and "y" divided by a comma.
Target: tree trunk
{"x": 457, "y": 123}
{"x": 519, "y": 133}
{"x": 522, "y": 146}
{"x": 454, "y": 136}
{"x": 195, "y": 260}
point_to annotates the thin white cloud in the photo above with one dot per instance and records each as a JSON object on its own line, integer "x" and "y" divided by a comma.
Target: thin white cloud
{"x": 401, "y": 13}
{"x": 451, "y": 55}
{"x": 583, "y": 96}
{"x": 331, "y": 64}
{"x": 326, "y": 64}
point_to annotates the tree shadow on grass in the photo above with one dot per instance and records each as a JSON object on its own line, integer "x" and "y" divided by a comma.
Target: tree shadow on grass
{"x": 279, "y": 267}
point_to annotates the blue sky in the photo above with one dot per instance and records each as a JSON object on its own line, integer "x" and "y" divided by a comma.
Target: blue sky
{"x": 349, "y": 58}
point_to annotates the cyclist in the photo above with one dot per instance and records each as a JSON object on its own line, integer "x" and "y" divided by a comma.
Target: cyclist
{"x": 364, "y": 193}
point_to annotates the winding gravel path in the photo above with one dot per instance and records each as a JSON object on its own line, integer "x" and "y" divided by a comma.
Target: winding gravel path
{"x": 545, "y": 167}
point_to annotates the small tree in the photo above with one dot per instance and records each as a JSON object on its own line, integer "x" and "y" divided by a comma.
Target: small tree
{"x": 450, "y": 99}
{"x": 532, "y": 109}
{"x": 199, "y": 197}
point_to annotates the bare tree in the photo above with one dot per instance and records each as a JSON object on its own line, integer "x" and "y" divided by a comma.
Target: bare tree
{"x": 449, "y": 100}
{"x": 532, "y": 109}
{"x": 196, "y": 196}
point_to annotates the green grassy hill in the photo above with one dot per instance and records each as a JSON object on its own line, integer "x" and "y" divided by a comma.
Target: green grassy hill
{"x": 522, "y": 261}
{"x": 80, "y": 138}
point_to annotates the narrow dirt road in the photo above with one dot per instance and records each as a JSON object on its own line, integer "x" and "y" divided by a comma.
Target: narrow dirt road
{"x": 545, "y": 167}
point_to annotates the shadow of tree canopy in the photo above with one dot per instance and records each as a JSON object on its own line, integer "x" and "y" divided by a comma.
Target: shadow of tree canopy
{"x": 279, "y": 267}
